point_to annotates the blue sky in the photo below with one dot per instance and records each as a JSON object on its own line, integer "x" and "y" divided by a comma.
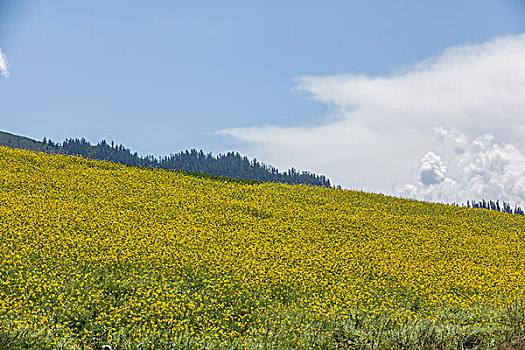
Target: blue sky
{"x": 164, "y": 76}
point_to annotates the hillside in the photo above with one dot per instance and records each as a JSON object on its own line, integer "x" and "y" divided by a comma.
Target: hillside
{"x": 231, "y": 164}
{"x": 22, "y": 142}
{"x": 96, "y": 253}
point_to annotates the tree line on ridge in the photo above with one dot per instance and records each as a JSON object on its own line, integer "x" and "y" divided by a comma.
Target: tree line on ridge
{"x": 496, "y": 206}
{"x": 231, "y": 164}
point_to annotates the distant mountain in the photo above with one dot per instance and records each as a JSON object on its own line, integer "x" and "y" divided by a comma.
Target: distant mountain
{"x": 231, "y": 164}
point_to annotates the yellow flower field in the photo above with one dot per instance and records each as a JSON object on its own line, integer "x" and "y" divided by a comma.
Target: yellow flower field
{"x": 96, "y": 253}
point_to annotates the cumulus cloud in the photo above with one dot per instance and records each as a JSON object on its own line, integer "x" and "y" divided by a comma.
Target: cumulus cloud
{"x": 383, "y": 132}
{"x": 4, "y": 65}
{"x": 432, "y": 170}
{"x": 484, "y": 169}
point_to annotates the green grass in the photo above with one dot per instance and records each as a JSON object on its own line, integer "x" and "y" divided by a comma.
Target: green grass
{"x": 446, "y": 331}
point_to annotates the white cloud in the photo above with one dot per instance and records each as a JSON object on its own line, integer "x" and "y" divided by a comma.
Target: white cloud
{"x": 4, "y": 65}
{"x": 484, "y": 169}
{"x": 382, "y": 126}
{"x": 432, "y": 170}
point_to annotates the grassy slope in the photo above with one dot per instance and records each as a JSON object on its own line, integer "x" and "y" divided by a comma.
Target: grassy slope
{"x": 21, "y": 142}
{"x": 98, "y": 253}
